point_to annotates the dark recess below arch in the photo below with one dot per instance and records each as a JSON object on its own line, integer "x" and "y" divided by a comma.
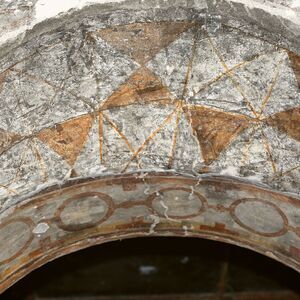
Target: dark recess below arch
{"x": 147, "y": 266}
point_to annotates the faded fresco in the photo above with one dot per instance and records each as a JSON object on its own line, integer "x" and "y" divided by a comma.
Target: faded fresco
{"x": 126, "y": 96}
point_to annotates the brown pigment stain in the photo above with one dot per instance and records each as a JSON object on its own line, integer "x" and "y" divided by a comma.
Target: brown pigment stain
{"x": 2, "y": 78}
{"x": 142, "y": 41}
{"x": 143, "y": 86}
{"x": 215, "y": 129}
{"x": 68, "y": 138}
{"x": 295, "y": 63}
{"x": 287, "y": 121}
{"x": 7, "y": 139}
{"x": 218, "y": 227}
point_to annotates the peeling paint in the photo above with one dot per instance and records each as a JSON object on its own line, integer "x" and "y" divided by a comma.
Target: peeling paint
{"x": 41, "y": 228}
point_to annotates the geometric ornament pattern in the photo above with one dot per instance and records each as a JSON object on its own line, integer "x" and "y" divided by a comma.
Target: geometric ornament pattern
{"x": 177, "y": 85}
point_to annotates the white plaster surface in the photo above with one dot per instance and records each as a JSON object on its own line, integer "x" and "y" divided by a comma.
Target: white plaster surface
{"x": 45, "y": 9}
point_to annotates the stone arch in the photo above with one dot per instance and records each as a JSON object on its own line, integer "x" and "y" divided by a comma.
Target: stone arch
{"x": 89, "y": 212}
{"x": 158, "y": 118}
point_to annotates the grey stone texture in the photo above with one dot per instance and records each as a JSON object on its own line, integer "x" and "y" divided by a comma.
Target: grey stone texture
{"x": 71, "y": 71}
{"x": 148, "y": 117}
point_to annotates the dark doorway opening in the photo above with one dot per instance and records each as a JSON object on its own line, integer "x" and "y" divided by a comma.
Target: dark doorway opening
{"x": 160, "y": 268}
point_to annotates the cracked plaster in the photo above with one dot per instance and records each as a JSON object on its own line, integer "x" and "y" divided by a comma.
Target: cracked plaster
{"x": 207, "y": 89}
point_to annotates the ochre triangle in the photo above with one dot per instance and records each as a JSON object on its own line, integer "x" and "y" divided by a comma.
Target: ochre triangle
{"x": 7, "y": 139}
{"x": 2, "y": 78}
{"x": 214, "y": 129}
{"x": 295, "y": 63}
{"x": 142, "y": 41}
{"x": 287, "y": 121}
{"x": 68, "y": 138}
{"x": 143, "y": 86}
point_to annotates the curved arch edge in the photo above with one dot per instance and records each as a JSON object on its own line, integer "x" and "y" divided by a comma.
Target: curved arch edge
{"x": 134, "y": 205}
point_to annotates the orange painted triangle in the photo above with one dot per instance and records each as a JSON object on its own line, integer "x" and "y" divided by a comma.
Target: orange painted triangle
{"x": 143, "y": 86}
{"x": 2, "y": 77}
{"x": 68, "y": 138}
{"x": 7, "y": 139}
{"x": 214, "y": 129}
{"x": 295, "y": 63}
{"x": 144, "y": 40}
{"x": 287, "y": 121}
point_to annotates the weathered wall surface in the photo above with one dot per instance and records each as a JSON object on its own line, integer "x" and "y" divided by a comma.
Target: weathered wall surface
{"x": 111, "y": 93}
{"x": 202, "y": 88}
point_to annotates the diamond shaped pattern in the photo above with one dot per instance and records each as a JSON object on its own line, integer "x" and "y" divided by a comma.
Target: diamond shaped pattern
{"x": 154, "y": 95}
